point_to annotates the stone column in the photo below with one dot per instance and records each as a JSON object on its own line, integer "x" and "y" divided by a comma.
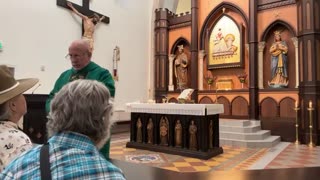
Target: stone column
{"x": 260, "y": 64}
{"x": 200, "y": 69}
{"x": 295, "y": 43}
{"x": 171, "y": 58}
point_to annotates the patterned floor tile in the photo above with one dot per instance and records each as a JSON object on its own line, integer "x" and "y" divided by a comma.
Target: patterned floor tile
{"x": 232, "y": 159}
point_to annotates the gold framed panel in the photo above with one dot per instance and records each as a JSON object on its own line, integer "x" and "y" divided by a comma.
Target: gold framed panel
{"x": 225, "y": 44}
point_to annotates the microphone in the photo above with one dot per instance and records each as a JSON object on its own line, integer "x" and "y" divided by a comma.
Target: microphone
{"x": 36, "y": 88}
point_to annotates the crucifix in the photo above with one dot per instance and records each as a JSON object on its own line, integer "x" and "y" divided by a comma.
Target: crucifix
{"x": 89, "y": 18}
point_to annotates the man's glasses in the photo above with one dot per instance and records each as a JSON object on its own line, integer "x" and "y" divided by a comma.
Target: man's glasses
{"x": 73, "y": 56}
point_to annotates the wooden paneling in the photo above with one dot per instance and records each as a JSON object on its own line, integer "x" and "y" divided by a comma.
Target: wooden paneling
{"x": 280, "y": 122}
{"x": 173, "y": 100}
{"x": 269, "y": 108}
{"x": 286, "y": 108}
{"x": 226, "y": 105}
{"x": 205, "y": 100}
{"x": 239, "y": 107}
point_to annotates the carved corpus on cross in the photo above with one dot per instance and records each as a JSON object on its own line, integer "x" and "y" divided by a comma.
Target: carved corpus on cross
{"x": 84, "y": 9}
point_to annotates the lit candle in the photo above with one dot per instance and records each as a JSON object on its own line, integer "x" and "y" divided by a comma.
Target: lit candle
{"x": 310, "y": 104}
{"x": 296, "y": 104}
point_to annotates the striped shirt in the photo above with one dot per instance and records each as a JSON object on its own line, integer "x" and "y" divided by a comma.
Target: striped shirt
{"x": 72, "y": 156}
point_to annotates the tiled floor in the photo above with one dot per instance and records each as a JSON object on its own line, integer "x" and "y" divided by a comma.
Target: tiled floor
{"x": 284, "y": 155}
{"x": 296, "y": 156}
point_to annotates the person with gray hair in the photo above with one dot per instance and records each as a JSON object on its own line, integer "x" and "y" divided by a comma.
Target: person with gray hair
{"x": 78, "y": 125}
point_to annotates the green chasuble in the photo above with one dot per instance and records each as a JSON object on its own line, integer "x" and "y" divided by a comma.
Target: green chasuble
{"x": 91, "y": 71}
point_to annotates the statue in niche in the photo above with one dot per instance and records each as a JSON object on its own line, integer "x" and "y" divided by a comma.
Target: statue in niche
{"x": 89, "y": 24}
{"x": 279, "y": 66}
{"x": 181, "y": 69}
{"x": 178, "y": 134}
{"x": 211, "y": 134}
{"x": 164, "y": 131}
{"x": 150, "y": 131}
{"x": 139, "y": 130}
{"x": 192, "y": 136}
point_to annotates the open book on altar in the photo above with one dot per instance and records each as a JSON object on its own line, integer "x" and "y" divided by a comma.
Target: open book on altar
{"x": 185, "y": 96}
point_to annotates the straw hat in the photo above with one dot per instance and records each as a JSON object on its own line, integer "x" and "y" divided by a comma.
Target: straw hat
{"x": 9, "y": 87}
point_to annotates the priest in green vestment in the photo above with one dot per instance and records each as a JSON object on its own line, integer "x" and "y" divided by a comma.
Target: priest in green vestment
{"x": 83, "y": 68}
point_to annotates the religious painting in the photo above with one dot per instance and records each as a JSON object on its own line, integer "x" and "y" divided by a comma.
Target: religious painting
{"x": 225, "y": 41}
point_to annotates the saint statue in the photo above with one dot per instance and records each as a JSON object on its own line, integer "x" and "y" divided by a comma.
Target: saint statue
{"x": 192, "y": 136}
{"x": 181, "y": 69}
{"x": 279, "y": 71}
{"x": 150, "y": 131}
{"x": 164, "y": 131}
{"x": 211, "y": 134}
{"x": 178, "y": 134}
{"x": 139, "y": 131}
{"x": 89, "y": 24}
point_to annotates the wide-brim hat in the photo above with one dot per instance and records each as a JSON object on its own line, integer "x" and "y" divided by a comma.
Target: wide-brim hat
{"x": 9, "y": 87}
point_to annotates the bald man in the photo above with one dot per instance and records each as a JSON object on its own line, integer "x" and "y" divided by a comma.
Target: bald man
{"x": 83, "y": 68}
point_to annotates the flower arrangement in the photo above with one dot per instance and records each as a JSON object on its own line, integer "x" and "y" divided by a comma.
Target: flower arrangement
{"x": 242, "y": 77}
{"x": 210, "y": 79}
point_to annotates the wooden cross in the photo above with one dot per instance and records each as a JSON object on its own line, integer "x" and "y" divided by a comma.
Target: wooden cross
{"x": 84, "y": 9}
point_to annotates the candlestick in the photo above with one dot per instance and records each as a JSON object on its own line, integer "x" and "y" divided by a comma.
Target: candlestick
{"x": 296, "y": 108}
{"x": 310, "y": 109}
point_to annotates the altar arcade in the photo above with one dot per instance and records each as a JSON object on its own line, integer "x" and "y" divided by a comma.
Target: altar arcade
{"x": 250, "y": 26}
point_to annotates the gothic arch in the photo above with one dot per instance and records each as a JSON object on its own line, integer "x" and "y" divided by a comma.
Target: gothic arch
{"x": 286, "y": 107}
{"x": 226, "y": 105}
{"x": 173, "y": 100}
{"x": 239, "y": 106}
{"x": 275, "y": 23}
{"x": 179, "y": 41}
{"x": 269, "y": 107}
{"x": 205, "y": 100}
{"x": 214, "y": 13}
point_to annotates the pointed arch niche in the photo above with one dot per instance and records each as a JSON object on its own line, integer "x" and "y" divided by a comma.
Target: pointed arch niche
{"x": 288, "y": 35}
{"x": 225, "y": 11}
{"x": 174, "y": 51}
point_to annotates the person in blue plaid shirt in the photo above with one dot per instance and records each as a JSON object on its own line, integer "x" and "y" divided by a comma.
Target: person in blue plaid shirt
{"x": 78, "y": 125}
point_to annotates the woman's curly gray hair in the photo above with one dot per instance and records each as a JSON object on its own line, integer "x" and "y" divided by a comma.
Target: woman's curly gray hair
{"x": 82, "y": 106}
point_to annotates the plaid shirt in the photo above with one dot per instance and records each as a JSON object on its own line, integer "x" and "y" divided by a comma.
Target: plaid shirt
{"x": 72, "y": 156}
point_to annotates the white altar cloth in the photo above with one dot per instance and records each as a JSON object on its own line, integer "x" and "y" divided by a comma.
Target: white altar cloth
{"x": 181, "y": 109}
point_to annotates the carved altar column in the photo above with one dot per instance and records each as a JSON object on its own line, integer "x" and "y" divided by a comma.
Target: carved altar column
{"x": 171, "y": 58}
{"x": 295, "y": 43}
{"x": 309, "y": 64}
{"x": 253, "y": 53}
{"x": 200, "y": 67}
{"x": 260, "y": 66}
